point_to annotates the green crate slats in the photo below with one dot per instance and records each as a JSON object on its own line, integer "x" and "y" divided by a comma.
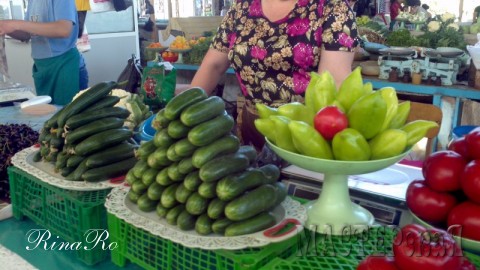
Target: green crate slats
{"x": 152, "y": 252}
{"x": 341, "y": 252}
{"x": 66, "y": 213}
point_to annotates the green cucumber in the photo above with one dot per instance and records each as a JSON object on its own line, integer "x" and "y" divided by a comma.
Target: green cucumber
{"x": 102, "y": 140}
{"x": 139, "y": 187}
{"x": 149, "y": 176}
{"x": 220, "y": 225}
{"x": 196, "y": 204}
{"x": 38, "y": 157}
{"x": 234, "y": 185}
{"x": 111, "y": 155}
{"x": 226, "y": 145}
{"x": 84, "y": 118}
{"x": 76, "y": 175}
{"x": 216, "y": 208}
{"x": 252, "y": 203}
{"x": 182, "y": 193}
{"x": 109, "y": 171}
{"x": 132, "y": 196}
{"x": 155, "y": 191}
{"x": 145, "y": 149}
{"x": 222, "y": 166}
{"x": 105, "y": 102}
{"x": 203, "y": 225}
{"x": 186, "y": 221}
{"x": 130, "y": 178}
{"x": 74, "y": 160}
{"x": 185, "y": 166}
{"x": 162, "y": 139}
{"x": 161, "y": 210}
{"x": 163, "y": 178}
{"x": 192, "y": 181}
{"x": 173, "y": 213}
{"x": 158, "y": 158}
{"x": 207, "y": 190}
{"x": 172, "y": 155}
{"x": 139, "y": 168}
{"x": 145, "y": 204}
{"x": 211, "y": 130}
{"x": 177, "y": 130}
{"x": 91, "y": 128}
{"x": 61, "y": 160}
{"x": 160, "y": 121}
{"x": 168, "y": 196}
{"x": 202, "y": 111}
{"x": 65, "y": 171}
{"x": 249, "y": 151}
{"x": 254, "y": 224}
{"x": 184, "y": 148}
{"x": 182, "y": 101}
{"x": 174, "y": 174}
{"x": 89, "y": 97}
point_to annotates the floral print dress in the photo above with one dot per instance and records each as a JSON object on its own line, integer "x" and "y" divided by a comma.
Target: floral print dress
{"x": 273, "y": 60}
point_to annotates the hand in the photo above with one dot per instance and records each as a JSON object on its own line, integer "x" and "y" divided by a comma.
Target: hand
{"x": 7, "y": 27}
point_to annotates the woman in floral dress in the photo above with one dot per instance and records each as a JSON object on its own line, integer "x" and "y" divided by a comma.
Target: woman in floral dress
{"x": 273, "y": 45}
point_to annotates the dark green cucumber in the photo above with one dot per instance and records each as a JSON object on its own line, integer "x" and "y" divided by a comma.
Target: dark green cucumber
{"x": 155, "y": 191}
{"x": 139, "y": 187}
{"x": 130, "y": 178}
{"x": 61, "y": 161}
{"x": 38, "y": 157}
{"x": 132, "y": 196}
{"x": 160, "y": 121}
{"x": 281, "y": 193}
{"x": 145, "y": 149}
{"x": 105, "y": 102}
{"x": 145, "y": 204}
{"x": 185, "y": 165}
{"x": 220, "y": 225}
{"x": 254, "y": 224}
{"x": 177, "y": 130}
{"x": 207, "y": 190}
{"x": 158, "y": 158}
{"x": 111, "y": 155}
{"x": 52, "y": 122}
{"x": 66, "y": 171}
{"x": 173, "y": 213}
{"x": 172, "y": 155}
{"x": 186, "y": 221}
{"x": 225, "y": 145}
{"x": 161, "y": 210}
{"x": 222, "y": 166}
{"x": 184, "y": 148}
{"x": 216, "y": 208}
{"x": 249, "y": 151}
{"x": 76, "y": 175}
{"x": 109, "y": 171}
{"x": 168, "y": 196}
{"x": 202, "y": 111}
{"x": 163, "y": 178}
{"x": 161, "y": 139}
{"x": 94, "y": 127}
{"x": 234, "y": 185}
{"x": 139, "y": 168}
{"x": 183, "y": 100}
{"x": 102, "y": 140}
{"x": 211, "y": 130}
{"x": 174, "y": 174}
{"x": 83, "y": 118}
{"x": 182, "y": 193}
{"x": 89, "y": 97}
{"x": 149, "y": 176}
{"x": 196, "y": 204}
{"x": 252, "y": 203}
{"x": 203, "y": 225}
{"x": 192, "y": 181}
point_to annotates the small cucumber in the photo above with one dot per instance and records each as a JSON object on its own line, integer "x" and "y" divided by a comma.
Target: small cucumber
{"x": 174, "y": 174}
{"x": 132, "y": 196}
{"x": 149, "y": 176}
{"x": 168, "y": 196}
{"x": 161, "y": 210}
{"x": 130, "y": 178}
{"x": 207, "y": 190}
{"x": 139, "y": 168}
{"x": 216, "y": 208}
{"x": 177, "y": 130}
{"x": 182, "y": 193}
{"x": 225, "y": 145}
{"x": 173, "y": 213}
{"x": 160, "y": 121}
{"x": 145, "y": 204}
{"x": 252, "y": 203}
{"x": 182, "y": 101}
{"x": 172, "y": 155}
{"x": 139, "y": 187}
{"x": 196, "y": 204}
{"x": 184, "y": 148}
{"x": 185, "y": 166}
{"x": 220, "y": 225}
{"x": 222, "y": 166}
{"x": 208, "y": 132}
{"x": 255, "y": 224}
{"x": 163, "y": 178}
{"x": 162, "y": 139}
{"x": 202, "y": 111}
{"x": 203, "y": 225}
{"x": 192, "y": 181}
{"x": 249, "y": 151}
{"x": 145, "y": 149}
{"x": 158, "y": 158}
{"x": 155, "y": 191}
{"x": 186, "y": 221}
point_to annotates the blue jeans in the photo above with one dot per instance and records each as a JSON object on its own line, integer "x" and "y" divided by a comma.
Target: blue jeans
{"x": 83, "y": 74}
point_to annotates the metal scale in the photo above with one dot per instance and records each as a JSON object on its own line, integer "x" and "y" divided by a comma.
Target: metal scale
{"x": 444, "y": 62}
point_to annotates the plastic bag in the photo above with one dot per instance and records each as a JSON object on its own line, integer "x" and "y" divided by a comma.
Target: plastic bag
{"x": 132, "y": 74}
{"x": 158, "y": 84}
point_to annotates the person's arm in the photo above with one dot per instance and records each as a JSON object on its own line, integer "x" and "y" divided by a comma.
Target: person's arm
{"x": 338, "y": 63}
{"x": 213, "y": 67}
{"x": 22, "y": 30}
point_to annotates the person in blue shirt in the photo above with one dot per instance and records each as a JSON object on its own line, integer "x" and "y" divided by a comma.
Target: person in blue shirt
{"x": 52, "y": 28}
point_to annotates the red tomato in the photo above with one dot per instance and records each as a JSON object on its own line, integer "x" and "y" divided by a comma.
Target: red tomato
{"x": 467, "y": 216}
{"x": 473, "y": 143}
{"x": 471, "y": 180}
{"x": 374, "y": 262}
{"x": 416, "y": 247}
{"x": 427, "y": 204}
{"x": 442, "y": 170}
{"x": 459, "y": 145}
{"x": 329, "y": 121}
{"x": 467, "y": 265}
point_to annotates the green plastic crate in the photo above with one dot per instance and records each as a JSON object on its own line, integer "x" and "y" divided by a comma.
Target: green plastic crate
{"x": 152, "y": 252}
{"x": 65, "y": 213}
{"x": 341, "y": 253}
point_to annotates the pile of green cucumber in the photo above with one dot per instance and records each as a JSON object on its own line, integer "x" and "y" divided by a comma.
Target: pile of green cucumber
{"x": 86, "y": 139}
{"x": 196, "y": 175}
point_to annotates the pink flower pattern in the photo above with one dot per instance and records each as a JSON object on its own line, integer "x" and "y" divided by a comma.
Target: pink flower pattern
{"x": 282, "y": 53}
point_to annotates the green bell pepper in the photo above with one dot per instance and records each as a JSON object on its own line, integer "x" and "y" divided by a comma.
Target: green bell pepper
{"x": 388, "y": 143}
{"x": 321, "y": 91}
{"x": 266, "y": 127}
{"x": 265, "y": 111}
{"x": 296, "y": 111}
{"x": 390, "y": 96}
{"x": 350, "y": 145}
{"x": 367, "y": 114}
{"x": 352, "y": 89}
{"x": 308, "y": 141}
{"x": 283, "y": 137}
{"x": 400, "y": 118}
{"x": 417, "y": 129}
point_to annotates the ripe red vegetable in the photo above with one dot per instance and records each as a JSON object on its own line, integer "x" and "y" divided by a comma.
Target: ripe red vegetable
{"x": 466, "y": 216}
{"x": 377, "y": 262}
{"x": 329, "y": 121}
{"x": 442, "y": 170}
{"x": 473, "y": 143}
{"x": 459, "y": 145}
{"x": 471, "y": 180}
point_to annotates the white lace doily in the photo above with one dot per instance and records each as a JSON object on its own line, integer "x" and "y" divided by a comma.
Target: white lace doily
{"x": 46, "y": 173}
{"x": 119, "y": 205}
{"x": 12, "y": 261}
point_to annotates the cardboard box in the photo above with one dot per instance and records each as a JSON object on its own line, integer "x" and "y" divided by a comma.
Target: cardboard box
{"x": 191, "y": 27}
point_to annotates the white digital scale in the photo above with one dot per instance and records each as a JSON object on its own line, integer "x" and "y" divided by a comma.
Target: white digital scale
{"x": 382, "y": 192}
